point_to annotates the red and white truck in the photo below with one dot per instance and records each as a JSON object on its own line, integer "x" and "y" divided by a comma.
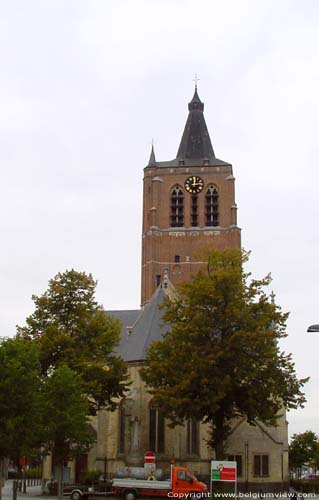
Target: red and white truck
{"x": 182, "y": 484}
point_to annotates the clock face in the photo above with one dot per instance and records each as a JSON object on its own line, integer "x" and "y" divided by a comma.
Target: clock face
{"x": 194, "y": 184}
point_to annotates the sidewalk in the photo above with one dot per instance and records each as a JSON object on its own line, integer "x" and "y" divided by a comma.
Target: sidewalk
{"x": 33, "y": 492}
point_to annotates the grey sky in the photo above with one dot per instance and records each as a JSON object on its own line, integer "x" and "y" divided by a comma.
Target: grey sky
{"x": 84, "y": 87}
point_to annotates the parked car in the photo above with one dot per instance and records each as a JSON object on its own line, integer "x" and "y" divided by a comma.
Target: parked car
{"x": 310, "y": 477}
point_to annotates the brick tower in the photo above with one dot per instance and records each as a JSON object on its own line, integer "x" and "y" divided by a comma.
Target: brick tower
{"x": 188, "y": 205}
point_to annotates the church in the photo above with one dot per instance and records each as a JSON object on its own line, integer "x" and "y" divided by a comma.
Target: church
{"x": 188, "y": 204}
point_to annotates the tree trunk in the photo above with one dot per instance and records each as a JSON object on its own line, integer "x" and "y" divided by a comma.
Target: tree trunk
{"x": 219, "y": 437}
{"x": 220, "y": 451}
{"x": 60, "y": 481}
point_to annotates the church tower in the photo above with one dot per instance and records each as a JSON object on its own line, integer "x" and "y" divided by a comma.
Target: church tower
{"x": 188, "y": 205}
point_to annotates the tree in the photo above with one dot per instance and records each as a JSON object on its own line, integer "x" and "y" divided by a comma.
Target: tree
{"x": 303, "y": 450}
{"x": 20, "y": 399}
{"x": 221, "y": 358}
{"x": 65, "y": 418}
{"x": 71, "y": 329}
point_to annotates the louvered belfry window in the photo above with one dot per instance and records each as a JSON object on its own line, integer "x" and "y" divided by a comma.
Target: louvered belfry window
{"x": 194, "y": 211}
{"x": 177, "y": 207}
{"x": 212, "y": 206}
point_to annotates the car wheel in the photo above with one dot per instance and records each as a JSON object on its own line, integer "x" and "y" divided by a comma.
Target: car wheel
{"x": 76, "y": 495}
{"x": 130, "y": 495}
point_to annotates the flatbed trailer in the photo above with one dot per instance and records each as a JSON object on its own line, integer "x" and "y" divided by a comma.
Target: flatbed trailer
{"x": 182, "y": 483}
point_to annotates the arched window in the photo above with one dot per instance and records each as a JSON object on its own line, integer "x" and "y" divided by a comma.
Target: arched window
{"x": 177, "y": 207}
{"x": 212, "y": 215}
{"x": 156, "y": 430}
{"x": 122, "y": 428}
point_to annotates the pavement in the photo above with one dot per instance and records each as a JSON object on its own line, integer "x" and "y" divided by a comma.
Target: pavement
{"x": 33, "y": 492}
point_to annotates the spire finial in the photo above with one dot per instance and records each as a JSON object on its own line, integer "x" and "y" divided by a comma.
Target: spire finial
{"x": 152, "y": 160}
{"x": 196, "y": 80}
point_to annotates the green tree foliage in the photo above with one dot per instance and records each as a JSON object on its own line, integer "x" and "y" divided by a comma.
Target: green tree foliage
{"x": 20, "y": 398}
{"x": 303, "y": 450}
{"x": 221, "y": 358}
{"x": 65, "y": 417}
{"x": 71, "y": 329}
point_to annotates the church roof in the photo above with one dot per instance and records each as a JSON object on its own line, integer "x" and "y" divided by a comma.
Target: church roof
{"x": 140, "y": 328}
{"x": 195, "y": 147}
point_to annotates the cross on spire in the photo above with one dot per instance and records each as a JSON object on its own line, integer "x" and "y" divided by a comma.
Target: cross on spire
{"x": 196, "y": 80}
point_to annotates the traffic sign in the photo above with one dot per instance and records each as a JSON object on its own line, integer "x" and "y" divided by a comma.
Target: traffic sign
{"x": 149, "y": 457}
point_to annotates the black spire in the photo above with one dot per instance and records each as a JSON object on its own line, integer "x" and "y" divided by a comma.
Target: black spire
{"x": 195, "y": 143}
{"x": 152, "y": 160}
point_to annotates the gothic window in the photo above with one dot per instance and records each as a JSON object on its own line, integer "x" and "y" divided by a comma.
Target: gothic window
{"x": 121, "y": 429}
{"x": 239, "y": 460}
{"x": 192, "y": 434}
{"x": 156, "y": 430}
{"x": 212, "y": 215}
{"x": 261, "y": 465}
{"x": 177, "y": 207}
{"x": 194, "y": 211}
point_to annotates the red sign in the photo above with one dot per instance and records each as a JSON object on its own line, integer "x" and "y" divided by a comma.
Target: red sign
{"x": 227, "y": 474}
{"x": 149, "y": 457}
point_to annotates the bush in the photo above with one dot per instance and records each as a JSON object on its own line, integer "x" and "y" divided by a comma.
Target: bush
{"x": 90, "y": 476}
{"x": 33, "y": 473}
{"x": 305, "y": 486}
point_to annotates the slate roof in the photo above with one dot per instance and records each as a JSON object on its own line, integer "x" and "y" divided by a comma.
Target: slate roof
{"x": 195, "y": 141}
{"x": 140, "y": 328}
{"x": 195, "y": 148}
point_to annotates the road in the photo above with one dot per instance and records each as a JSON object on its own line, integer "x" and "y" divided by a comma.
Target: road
{"x": 34, "y": 493}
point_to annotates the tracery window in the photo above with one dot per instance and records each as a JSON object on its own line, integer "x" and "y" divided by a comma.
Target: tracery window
{"x": 177, "y": 207}
{"x": 212, "y": 202}
{"x": 156, "y": 430}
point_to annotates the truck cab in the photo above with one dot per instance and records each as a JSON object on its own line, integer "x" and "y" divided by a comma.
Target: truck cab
{"x": 183, "y": 481}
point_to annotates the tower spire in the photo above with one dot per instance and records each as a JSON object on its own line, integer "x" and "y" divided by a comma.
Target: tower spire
{"x": 152, "y": 160}
{"x": 195, "y": 143}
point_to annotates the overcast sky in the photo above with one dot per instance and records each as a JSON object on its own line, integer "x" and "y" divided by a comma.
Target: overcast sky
{"x": 86, "y": 85}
